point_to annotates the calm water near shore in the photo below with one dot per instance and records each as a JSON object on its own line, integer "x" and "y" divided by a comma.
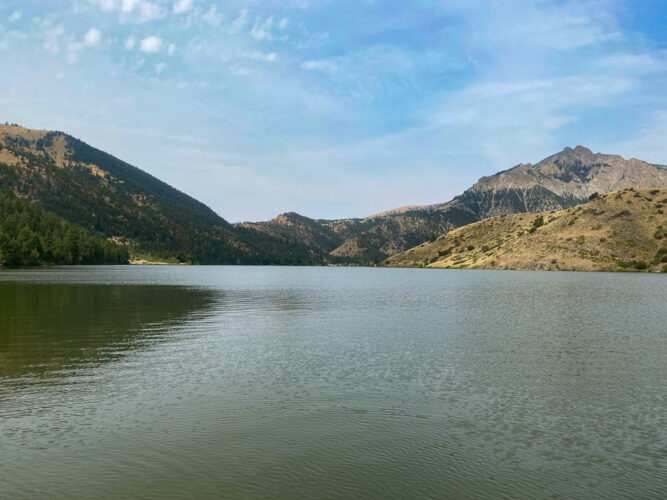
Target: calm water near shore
{"x": 273, "y": 382}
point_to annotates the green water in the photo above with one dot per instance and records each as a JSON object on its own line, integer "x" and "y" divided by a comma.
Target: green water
{"x": 239, "y": 382}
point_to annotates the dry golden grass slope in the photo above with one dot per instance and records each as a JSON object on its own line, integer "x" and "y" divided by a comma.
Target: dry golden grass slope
{"x": 620, "y": 231}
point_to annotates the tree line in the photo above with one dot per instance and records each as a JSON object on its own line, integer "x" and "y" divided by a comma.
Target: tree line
{"x": 29, "y": 236}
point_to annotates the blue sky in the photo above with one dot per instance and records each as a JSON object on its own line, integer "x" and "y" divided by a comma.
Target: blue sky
{"x": 336, "y": 108}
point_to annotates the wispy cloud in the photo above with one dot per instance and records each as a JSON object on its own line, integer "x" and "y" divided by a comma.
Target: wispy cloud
{"x": 212, "y": 16}
{"x": 139, "y": 11}
{"x": 261, "y": 30}
{"x": 321, "y": 65}
{"x": 257, "y": 55}
{"x": 301, "y": 92}
{"x": 240, "y": 22}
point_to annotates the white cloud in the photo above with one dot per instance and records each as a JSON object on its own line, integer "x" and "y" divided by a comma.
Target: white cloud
{"x": 257, "y": 55}
{"x": 282, "y": 24}
{"x": 52, "y": 38}
{"x": 171, "y": 49}
{"x": 644, "y": 63}
{"x": 563, "y": 25}
{"x": 320, "y": 65}
{"x": 262, "y": 30}
{"x": 130, "y": 42}
{"x": 212, "y": 17}
{"x": 73, "y": 49}
{"x": 151, "y": 44}
{"x": 182, "y": 6}
{"x": 15, "y": 16}
{"x": 240, "y": 22}
{"x": 239, "y": 70}
{"x": 107, "y": 4}
{"x": 140, "y": 11}
{"x": 148, "y": 12}
{"x": 92, "y": 37}
{"x": 128, "y": 6}
{"x": 159, "y": 68}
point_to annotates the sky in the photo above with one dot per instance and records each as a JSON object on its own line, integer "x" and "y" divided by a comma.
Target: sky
{"x": 337, "y": 108}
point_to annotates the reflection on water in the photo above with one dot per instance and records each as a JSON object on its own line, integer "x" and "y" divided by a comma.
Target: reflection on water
{"x": 235, "y": 382}
{"x": 54, "y": 327}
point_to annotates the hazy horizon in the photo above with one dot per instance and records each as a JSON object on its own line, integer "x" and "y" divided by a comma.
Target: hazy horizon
{"x": 336, "y": 110}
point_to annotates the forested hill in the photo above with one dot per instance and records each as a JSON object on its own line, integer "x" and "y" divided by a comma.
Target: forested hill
{"x": 29, "y": 236}
{"x": 105, "y": 195}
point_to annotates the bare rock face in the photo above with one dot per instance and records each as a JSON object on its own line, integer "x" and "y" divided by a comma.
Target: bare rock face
{"x": 560, "y": 181}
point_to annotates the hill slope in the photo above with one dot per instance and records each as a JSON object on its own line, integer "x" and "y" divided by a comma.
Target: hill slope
{"x": 625, "y": 230}
{"x": 110, "y": 197}
{"x": 560, "y": 181}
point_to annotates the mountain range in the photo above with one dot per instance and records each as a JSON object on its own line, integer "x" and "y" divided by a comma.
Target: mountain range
{"x": 624, "y": 230}
{"x": 115, "y": 200}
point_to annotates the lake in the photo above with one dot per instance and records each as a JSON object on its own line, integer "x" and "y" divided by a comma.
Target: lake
{"x": 279, "y": 382}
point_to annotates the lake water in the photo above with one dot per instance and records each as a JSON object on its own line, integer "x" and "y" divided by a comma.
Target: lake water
{"x": 269, "y": 382}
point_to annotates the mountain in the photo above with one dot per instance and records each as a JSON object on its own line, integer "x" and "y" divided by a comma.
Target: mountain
{"x": 115, "y": 200}
{"x": 111, "y": 198}
{"x": 560, "y": 181}
{"x": 294, "y": 239}
{"x": 624, "y": 230}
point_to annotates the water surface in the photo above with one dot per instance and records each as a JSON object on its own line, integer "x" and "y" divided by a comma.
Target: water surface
{"x": 255, "y": 382}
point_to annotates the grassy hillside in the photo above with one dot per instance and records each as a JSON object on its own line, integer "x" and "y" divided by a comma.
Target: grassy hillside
{"x": 101, "y": 193}
{"x": 625, "y": 230}
{"x": 560, "y": 181}
{"x": 29, "y": 236}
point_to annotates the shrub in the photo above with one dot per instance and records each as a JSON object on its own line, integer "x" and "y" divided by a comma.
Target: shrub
{"x": 538, "y": 222}
{"x": 594, "y": 196}
{"x": 471, "y": 247}
{"x": 443, "y": 253}
{"x": 640, "y": 264}
{"x": 660, "y": 257}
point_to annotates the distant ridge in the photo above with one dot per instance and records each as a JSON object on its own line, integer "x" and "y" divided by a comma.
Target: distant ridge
{"x": 400, "y": 210}
{"x": 113, "y": 199}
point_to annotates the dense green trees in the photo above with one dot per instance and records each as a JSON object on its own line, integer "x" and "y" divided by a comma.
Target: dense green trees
{"x": 109, "y": 197}
{"x": 29, "y": 236}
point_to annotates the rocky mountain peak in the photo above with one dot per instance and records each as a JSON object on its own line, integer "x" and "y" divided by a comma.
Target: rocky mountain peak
{"x": 578, "y": 155}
